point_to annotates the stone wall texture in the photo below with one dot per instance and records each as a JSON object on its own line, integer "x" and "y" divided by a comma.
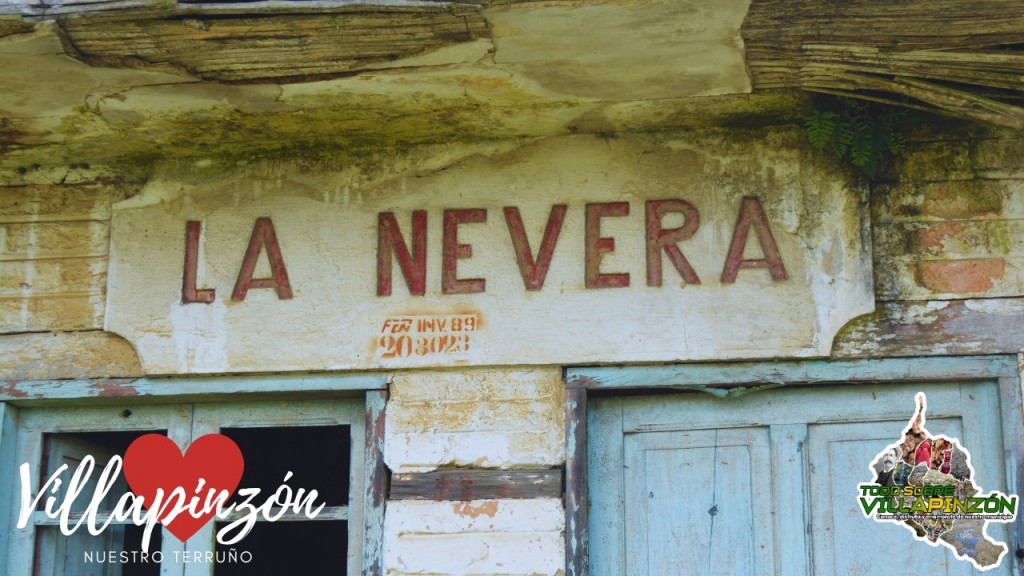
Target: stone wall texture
{"x": 950, "y": 226}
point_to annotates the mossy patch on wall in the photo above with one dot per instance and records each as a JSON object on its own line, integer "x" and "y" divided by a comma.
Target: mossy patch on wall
{"x": 332, "y": 132}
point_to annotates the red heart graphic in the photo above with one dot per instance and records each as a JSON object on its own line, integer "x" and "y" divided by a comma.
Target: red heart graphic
{"x": 154, "y": 462}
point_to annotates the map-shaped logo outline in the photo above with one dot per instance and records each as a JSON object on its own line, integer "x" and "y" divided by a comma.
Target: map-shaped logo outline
{"x": 920, "y": 459}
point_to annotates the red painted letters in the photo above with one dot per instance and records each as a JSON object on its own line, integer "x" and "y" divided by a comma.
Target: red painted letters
{"x": 414, "y": 267}
{"x": 596, "y": 246}
{"x": 452, "y": 252}
{"x": 412, "y": 256}
{"x": 534, "y": 272}
{"x": 751, "y": 213}
{"x": 263, "y": 236}
{"x": 189, "y": 293}
{"x": 659, "y": 239}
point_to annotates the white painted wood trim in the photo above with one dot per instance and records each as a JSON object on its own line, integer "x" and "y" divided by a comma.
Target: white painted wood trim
{"x": 28, "y": 392}
{"x": 941, "y": 369}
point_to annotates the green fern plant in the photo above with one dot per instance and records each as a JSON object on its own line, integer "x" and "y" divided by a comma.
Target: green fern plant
{"x": 863, "y": 133}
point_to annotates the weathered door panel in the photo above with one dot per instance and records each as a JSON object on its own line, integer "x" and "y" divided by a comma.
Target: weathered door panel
{"x": 779, "y": 470}
{"x": 843, "y": 540}
{"x": 717, "y": 485}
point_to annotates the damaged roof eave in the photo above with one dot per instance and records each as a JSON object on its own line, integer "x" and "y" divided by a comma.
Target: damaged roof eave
{"x": 127, "y": 83}
{"x": 130, "y": 88}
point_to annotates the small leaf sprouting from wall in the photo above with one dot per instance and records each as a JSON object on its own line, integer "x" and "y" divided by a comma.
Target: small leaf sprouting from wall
{"x": 864, "y": 134}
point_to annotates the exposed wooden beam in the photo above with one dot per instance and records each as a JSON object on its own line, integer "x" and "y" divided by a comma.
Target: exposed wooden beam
{"x": 964, "y": 59}
{"x": 464, "y": 485}
{"x": 258, "y": 46}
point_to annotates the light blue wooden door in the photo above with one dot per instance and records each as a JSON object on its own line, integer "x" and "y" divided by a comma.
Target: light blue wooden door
{"x": 717, "y": 472}
{"x": 766, "y": 483}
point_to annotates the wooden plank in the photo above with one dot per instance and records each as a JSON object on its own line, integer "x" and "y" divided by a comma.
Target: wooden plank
{"x": 142, "y": 388}
{"x": 464, "y": 485}
{"x": 28, "y": 450}
{"x": 9, "y": 463}
{"x": 179, "y": 424}
{"x": 12, "y": 27}
{"x": 297, "y": 44}
{"x": 993, "y": 68}
{"x": 709, "y": 487}
{"x": 18, "y": 7}
{"x": 576, "y": 501}
{"x": 286, "y": 515}
{"x": 1011, "y": 418}
{"x": 807, "y": 372}
{"x": 38, "y": 10}
{"x": 853, "y": 47}
{"x": 375, "y": 474}
{"x": 933, "y": 328}
{"x": 802, "y": 405}
{"x": 843, "y": 542}
{"x": 35, "y": 10}
{"x": 354, "y": 413}
{"x": 605, "y": 489}
{"x": 269, "y": 5}
{"x": 789, "y": 492}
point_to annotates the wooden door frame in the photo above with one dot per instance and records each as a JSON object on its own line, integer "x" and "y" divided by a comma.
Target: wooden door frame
{"x": 735, "y": 378}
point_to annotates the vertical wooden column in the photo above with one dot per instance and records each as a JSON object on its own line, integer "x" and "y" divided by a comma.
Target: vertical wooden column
{"x": 375, "y": 486}
{"x": 576, "y": 482}
{"x": 790, "y": 492}
{"x": 1012, "y": 418}
{"x": 8, "y": 441}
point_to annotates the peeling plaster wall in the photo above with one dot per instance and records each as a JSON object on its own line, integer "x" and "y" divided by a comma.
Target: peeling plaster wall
{"x": 53, "y": 256}
{"x": 475, "y": 418}
{"x": 328, "y": 230}
{"x": 475, "y": 537}
{"x": 479, "y": 418}
{"x": 948, "y": 249}
{"x": 952, "y": 226}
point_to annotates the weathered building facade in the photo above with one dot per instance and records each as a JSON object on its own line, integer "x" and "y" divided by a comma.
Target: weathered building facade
{"x": 533, "y": 288}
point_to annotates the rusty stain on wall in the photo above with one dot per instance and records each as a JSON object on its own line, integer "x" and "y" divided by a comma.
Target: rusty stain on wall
{"x": 968, "y": 277}
{"x": 10, "y": 388}
{"x": 113, "y": 388}
{"x": 949, "y": 222}
{"x": 475, "y": 511}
